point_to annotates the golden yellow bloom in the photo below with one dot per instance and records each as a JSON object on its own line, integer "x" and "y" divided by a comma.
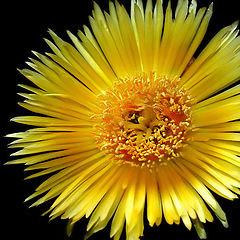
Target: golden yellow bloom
{"x": 129, "y": 118}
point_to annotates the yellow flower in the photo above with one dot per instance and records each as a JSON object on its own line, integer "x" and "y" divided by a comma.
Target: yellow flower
{"x": 130, "y": 119}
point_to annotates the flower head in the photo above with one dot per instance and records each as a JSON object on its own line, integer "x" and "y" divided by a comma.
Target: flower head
{"x": 130, "y": 119}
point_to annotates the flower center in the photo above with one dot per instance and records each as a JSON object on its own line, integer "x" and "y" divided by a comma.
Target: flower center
{"x": 144, "y": 120}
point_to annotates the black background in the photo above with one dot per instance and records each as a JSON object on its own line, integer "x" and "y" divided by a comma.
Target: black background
{"x": 23, "y": 27}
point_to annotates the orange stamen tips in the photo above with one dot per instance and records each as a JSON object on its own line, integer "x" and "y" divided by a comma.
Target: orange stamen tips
{"x": 144, "y": 120}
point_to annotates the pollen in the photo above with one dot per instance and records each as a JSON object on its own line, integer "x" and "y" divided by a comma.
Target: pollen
{"x": 144, "y": 120}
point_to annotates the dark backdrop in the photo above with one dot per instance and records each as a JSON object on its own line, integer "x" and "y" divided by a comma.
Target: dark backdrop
{"x": 23, "y": 27}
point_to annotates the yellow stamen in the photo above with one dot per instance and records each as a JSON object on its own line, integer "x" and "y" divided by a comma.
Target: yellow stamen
{"x": 145, "y": 119}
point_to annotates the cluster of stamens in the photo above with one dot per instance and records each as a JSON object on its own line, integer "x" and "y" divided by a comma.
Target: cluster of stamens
{"x": 144, "y": 120}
